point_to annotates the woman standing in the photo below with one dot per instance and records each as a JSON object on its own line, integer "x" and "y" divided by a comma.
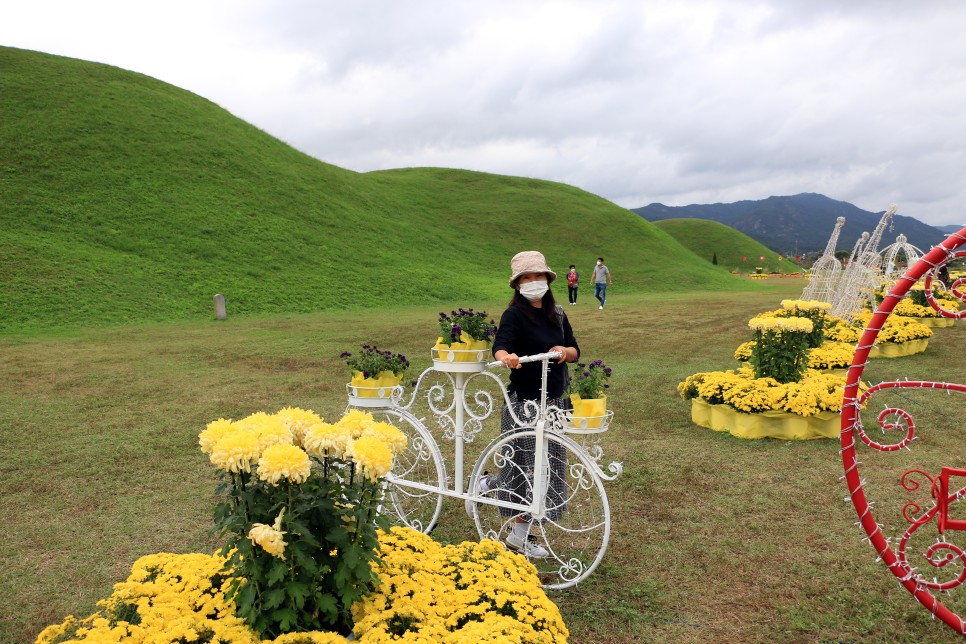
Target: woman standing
{"x": 573, "y": 282}
{"x": 532, "y": 323}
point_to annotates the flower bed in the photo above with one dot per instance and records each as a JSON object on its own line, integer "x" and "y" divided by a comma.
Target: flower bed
{"x": 816, "y": 392}
{"x": 303, "y": 555}
{"x": 908, "y": 308}
{"x": 897, "y": 329}
{"x": 471, "y": 592}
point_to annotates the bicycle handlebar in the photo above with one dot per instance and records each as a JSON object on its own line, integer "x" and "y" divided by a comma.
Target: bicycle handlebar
{"x": 537, "y": 357}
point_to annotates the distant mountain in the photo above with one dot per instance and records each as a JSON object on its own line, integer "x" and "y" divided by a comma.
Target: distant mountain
{"x": 799, "y": 223}
{"x": 949, "y": 229}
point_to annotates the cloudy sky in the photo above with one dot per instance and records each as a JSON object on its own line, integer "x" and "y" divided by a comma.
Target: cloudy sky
{"x": 677, "y": 101}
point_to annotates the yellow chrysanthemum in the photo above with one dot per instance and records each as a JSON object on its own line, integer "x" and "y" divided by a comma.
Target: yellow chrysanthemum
{"x": 800, "y": 325}
{"x": 236, "y": 452}
{"x": 270, "y": 537}
{"x": 355, "y": 422}
{"x": 214, "y": 432}
{"x": 284, "y": 461}
{"x": 388, "y": 433}
{"x": 372, "y": 454}
{"x": 806, "y": 305}
{"x": 298, "y": 420}
{"x": 270, "y": 429}
{"x": 325, "y": 439}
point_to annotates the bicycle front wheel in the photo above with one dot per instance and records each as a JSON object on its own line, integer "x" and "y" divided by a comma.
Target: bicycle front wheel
{"x": 413, "y": 492}
{"x": 572, "y": 531}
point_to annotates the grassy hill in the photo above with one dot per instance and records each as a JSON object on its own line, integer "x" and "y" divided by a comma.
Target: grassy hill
{"x": 708, "y": 239}
{"x": 125, "y": 199}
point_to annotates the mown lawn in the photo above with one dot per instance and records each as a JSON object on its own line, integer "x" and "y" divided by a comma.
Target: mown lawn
{"x": 714, "y": 538}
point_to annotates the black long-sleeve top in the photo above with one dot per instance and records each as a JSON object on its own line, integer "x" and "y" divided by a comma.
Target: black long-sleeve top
{"x": 524, "y": 336}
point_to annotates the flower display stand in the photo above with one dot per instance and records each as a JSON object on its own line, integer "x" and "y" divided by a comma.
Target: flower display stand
{"x": 899, "y": 349}
{"x": 767, "y": 424}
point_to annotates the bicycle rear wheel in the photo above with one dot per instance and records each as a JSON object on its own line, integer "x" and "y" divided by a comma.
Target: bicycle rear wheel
{"x": 574, "y": 529}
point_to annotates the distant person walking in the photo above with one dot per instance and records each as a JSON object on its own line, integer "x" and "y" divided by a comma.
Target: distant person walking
{"x": 601, "y": 279}
{"x": 573, "y": 280}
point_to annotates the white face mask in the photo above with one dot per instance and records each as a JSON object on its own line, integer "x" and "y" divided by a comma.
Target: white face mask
{"x": 534, "y": 291}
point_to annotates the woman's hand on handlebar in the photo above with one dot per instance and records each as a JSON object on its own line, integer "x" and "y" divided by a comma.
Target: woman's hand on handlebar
{"x": 564, "y": 353}
{"x": 509, "y": 360}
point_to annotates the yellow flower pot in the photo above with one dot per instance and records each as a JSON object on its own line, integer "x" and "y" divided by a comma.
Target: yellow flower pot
{"x": 591, "y": 409}
{"x": 899, "y": 349}
{"x": 380, "y": 386}
{"x": 766, "y": 424}
{"x": 466, "y": 350}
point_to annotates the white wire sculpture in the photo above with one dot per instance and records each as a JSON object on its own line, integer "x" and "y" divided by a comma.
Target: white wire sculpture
{"x": 856, "y": 287}
{"x": 891, "y": 269}
{"x": 825, "y": 272}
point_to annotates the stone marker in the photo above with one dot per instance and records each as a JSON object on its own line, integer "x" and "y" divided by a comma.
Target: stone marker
{"x": 220, "y": 312}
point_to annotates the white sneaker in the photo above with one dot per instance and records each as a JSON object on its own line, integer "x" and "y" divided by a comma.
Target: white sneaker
{"x": 530, "y": 548}
{"x": 482, "y": 487}
{"x": 601, "y": 307}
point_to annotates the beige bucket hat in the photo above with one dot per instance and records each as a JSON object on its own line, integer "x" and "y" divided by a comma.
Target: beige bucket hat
{"x": 529, "y": 261}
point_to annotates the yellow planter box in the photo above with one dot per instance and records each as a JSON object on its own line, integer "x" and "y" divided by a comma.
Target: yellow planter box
{"x": 936, "y": 323}
{"x": 899, "y": 349}
{"x": 380, "y": 386}
{"x": 591, "y": 409}
{"x": 766, "y": 424}
{"x": 467, "y": 350}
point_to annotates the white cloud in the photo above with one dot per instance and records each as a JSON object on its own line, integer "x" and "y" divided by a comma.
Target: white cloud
{"x": 671, "y": 101}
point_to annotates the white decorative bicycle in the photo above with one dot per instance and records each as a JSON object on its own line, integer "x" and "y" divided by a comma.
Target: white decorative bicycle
{"x": 546, "y": 474}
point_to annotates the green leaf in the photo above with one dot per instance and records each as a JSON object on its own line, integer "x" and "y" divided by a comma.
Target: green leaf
{"x": 274, "y": 598}
{"x": 285, "y": 618}
{"x": 277, "y": 573}
{"x": 298, "y": 591}
{"x": 328, "y": 606}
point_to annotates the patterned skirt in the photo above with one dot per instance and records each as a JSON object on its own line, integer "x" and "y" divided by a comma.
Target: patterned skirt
{"x": 514, "y": 483}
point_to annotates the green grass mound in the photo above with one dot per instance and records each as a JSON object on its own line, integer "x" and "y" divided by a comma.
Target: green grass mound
{"x": 129, "y": 200}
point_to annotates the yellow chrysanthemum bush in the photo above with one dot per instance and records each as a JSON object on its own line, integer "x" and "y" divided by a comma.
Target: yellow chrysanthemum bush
{"x": 908, "y": 308}
{"x": 896, "y": 329}
{"x": 425, "y": 592}
{"x": 471, "y": 592}
{"x": 166, "y": 598}
{"x": 739, "y": 388}
{"x": 298, "y": 511}
{"x": 781, "y": 347}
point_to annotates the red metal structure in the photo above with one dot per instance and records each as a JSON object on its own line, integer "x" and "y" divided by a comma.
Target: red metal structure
{"x": 946, "y": 487}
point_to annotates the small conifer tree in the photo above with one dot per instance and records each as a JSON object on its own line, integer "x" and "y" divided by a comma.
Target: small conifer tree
{"x": 714, "y": 258}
